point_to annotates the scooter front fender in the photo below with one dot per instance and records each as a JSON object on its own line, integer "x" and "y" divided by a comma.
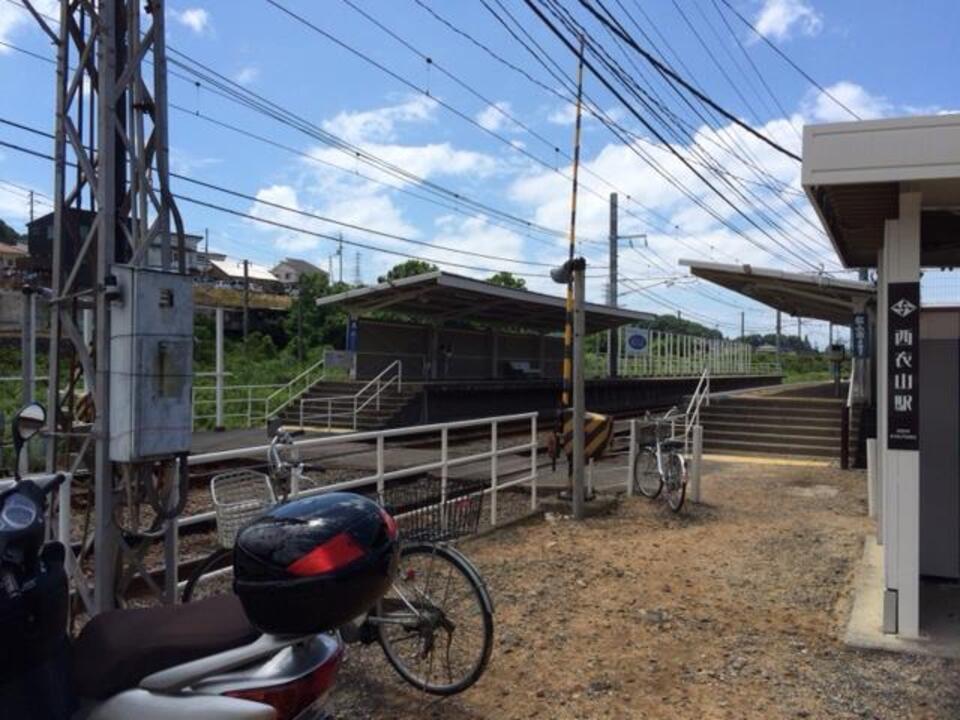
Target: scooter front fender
{"x": 140, "y": 704}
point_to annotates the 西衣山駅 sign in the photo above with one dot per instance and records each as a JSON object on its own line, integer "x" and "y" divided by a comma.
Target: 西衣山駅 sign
{"x": 903, "y": 366}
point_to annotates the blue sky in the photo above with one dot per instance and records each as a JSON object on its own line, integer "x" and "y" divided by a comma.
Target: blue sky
{"x": 879, "y": 58}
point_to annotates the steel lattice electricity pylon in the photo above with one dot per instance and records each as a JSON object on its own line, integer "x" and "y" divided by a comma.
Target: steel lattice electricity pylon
{"x": 111, "y": 151}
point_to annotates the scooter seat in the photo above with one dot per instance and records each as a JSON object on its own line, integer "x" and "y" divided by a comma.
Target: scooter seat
{"x": 117, "y": 649}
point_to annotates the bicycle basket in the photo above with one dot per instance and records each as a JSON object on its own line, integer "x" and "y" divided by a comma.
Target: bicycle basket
{"x": 422, "y": 515}
{"x": 238, "y": 497}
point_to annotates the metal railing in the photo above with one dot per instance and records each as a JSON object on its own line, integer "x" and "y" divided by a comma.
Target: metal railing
{"x": 700, "y": 397}
{"x": 350, "y": 406}
{"x": 667, "y": 354}
{"x": 245, "y": 403}
{"x": 522, "y": 475}
{"x": 285, "y": 395}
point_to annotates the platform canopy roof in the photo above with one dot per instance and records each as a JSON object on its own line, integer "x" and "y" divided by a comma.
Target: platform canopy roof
{"x": 854, "y": 172}
{"x": 440, "y": 296}
{"x": 809, "y": 296}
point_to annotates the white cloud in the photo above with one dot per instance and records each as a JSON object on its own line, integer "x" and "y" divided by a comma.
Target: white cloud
{"x": 778, "y": 19}
{"x": 494, "y": 117}
{"x": 563, "y": 115}
{"x": 197, "y": 19}
{"x": 381, "y": 124}
{"x": 247, "y": 75}
{"x": 14, "y": 17}
{"x": 820, "y": 107}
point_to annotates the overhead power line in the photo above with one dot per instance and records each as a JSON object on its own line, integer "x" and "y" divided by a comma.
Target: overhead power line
{"x": 670, "y": 73}
{"x": 789, "y": 60}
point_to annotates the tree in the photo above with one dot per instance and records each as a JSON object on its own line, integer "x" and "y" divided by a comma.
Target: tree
{"x": 673, "y": 324}
{"x": 508, "y": 280}
{"x": 8, "y": 235}
{"x": 321, "y": 325}
{"x": 408, "y": 268}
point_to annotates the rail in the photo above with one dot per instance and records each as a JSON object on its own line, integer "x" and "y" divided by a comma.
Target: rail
{"x": 700, "y": 397}
{"x": 246, "y": 403}
{"x": 382, "y": 476}
{"x": 285, "y": 395}
{"x": 356, "y": 403}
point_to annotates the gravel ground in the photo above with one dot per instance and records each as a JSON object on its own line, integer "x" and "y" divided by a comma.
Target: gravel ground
{"x": 730, "y": 610}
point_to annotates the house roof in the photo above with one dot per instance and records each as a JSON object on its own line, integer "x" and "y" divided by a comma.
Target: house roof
{"x": 234, "y": 269}
{"x": 13, "y": 251}
{"x": 302, "y": 267}
{"x": 438, "y": 296}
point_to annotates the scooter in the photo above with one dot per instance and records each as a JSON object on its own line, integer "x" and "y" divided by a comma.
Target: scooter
{"x": 202, "y": 661}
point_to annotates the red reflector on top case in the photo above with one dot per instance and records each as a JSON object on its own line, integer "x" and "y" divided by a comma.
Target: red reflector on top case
{"x": 390, "y": 523}
{"x": 337, "y": 552}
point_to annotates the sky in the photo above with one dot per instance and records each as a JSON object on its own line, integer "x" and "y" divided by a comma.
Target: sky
{"x": 482, "y": 136}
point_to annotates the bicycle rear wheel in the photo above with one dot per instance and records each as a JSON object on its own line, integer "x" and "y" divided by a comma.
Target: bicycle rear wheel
{"x": 646, "y": 475}
{"x": 676, "y": 481}
{"x": 435, "y": 624}
{"x": 196, "y": 587}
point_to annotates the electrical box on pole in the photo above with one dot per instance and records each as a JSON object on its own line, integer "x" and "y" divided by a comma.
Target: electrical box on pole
{"x": 151, "y": 364}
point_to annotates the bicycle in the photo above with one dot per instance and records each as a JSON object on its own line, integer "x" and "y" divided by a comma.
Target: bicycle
{"x": 660, "y": 463}
{"x": 438, "y": 599}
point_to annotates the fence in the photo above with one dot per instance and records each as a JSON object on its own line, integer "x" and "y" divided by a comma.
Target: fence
{"x": 216, "y": 406}
{"x": 666, "y": 354}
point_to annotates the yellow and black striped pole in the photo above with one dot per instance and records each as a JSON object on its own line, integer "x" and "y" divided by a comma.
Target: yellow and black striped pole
{"x": 568, "y": 329}
{"x": 566, "y": 395}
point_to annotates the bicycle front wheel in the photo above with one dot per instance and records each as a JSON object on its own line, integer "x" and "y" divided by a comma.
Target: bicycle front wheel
{"x": 435, "y": 624}
{"x": 646, "y": 475}
{"x": 676, "y": 472}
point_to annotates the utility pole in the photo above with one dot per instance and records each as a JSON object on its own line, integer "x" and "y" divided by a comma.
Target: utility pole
{"x": 300, "y": 328}
{"x": 679, "y": 315}
{"x": 31, "y": 206}
{"x": 613, "y": 344}
{"x": 800, "y": 331}
{"x": 778, "y": 334}
{"x": 206, "y": 243}
{"x": 357, "y": 278}
{"x": 340, "y": 256}
{"x": 246, "y": 299}
{"x": 743, "y": 325}
{"x": 830, "y": 335}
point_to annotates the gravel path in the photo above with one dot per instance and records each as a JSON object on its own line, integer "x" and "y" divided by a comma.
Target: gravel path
{"x": 730, "y": 610}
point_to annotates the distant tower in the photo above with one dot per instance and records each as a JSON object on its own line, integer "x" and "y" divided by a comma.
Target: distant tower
{"x": 357, "y": 280}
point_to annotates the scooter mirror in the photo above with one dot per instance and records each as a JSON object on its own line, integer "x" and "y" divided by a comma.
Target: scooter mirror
{"x": 28, "y": 422}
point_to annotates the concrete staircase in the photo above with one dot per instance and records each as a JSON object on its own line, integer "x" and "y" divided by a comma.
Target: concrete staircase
{"x": 392, "y": 406}
{"x": 774, "y": 425}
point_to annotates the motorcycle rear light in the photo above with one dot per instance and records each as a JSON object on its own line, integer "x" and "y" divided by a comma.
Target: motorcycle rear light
{"x": 337, "y": 552}
{"x": 391, "y": 524}
{"x": 291, "y": 699}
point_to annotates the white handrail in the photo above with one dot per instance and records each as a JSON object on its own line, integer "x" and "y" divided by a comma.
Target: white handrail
{"x": 853, "y": 379}
{"x": 378, "y": 382}
{"x": 303, "y": 379}
{"x": 700, "y": 396}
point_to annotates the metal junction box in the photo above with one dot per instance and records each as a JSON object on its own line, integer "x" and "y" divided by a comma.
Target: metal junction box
{"x": 151, "y": 364}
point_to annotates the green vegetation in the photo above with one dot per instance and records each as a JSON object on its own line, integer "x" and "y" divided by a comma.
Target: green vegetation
{"x": 407, "y": 269}
{"x": 8, "y": 235}
{"x": 508, "y": 280}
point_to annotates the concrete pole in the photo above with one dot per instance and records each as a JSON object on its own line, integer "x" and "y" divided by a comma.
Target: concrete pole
{"x": 218, "y": 354}
{"x": 579, "y": 400}
{"x": 830, "y": 334}
{"x": 743, "y": 324}
{"x": 28, "y": 348}
{"x": 246, "y": 298}
{"x": 613, "y": 345}
{"x": 778, "y": 334}
{"x": 696, "y": 463}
